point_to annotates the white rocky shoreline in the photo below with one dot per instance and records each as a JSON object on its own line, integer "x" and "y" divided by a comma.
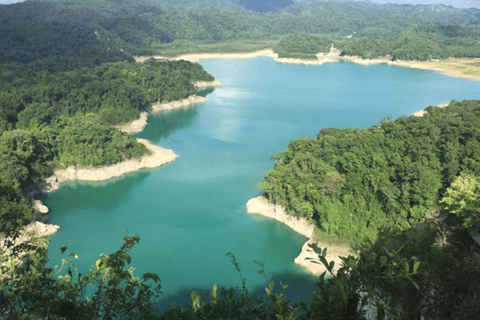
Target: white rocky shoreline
{"x": 261, "y": 205}
{"x": 139, "y": 124}
{"x": 159, "y": 156}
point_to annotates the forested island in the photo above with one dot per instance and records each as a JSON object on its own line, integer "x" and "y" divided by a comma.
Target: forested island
{"x": 403, "y": 194}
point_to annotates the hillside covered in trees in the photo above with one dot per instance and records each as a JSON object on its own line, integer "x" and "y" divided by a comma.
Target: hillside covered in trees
{"x": 354, "y": 183}
{"x": 61, "y": 91}
{"x": 113, "y": 28}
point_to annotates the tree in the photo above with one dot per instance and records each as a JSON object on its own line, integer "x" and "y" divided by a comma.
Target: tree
{"x": 463, "y": 199}
{"x": 31, "y": 289}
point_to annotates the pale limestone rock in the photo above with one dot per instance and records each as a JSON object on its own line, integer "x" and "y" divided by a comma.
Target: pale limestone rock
{"x": 39, "y": 207}
{"x": 30, "y": 232}
{"x": 159, "y": 157}
{"x": 334, "y": 252}
{"x": 40, "y": 229}
{"x": 135, "y": 126}
{"x": 261, "y": 205}
{"x": 193, "y": 99}
{"x": 207, "y": 84}
{"x": 421, "y": 113}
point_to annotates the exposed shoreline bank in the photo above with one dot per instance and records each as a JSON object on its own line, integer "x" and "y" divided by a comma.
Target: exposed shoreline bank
{"x": 421, "y": 113}
{"x": 158, "y": 157}
{"x": 139, "y": 124}
{"x": 454, "y": 67}
{"x": 28, "y": 234}
{"x": 468, "y": 68}
{"x": 261, "y": 205}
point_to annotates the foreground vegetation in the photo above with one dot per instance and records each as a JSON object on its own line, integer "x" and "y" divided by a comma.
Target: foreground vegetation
{"x": 431, "y": 271}
{"x": 404, "y": 192}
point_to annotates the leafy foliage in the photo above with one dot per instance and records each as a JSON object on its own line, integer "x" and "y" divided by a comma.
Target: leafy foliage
{"x": 103, "y": 30}
{"x": 30, "y": 289}
{"x": 462, "y": 199}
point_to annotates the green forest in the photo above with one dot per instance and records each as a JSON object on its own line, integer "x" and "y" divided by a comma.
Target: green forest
{"x": 353, "y": 183}
{"x": 403, "y": 193}
{"x": 59, "y": 30}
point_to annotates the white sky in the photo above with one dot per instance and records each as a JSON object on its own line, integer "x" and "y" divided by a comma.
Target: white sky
{"x": 9, "y": 1}
{"x": 455, "y": 3}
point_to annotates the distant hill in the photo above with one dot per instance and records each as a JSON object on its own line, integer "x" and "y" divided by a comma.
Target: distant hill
{"x": 113, "y": 29}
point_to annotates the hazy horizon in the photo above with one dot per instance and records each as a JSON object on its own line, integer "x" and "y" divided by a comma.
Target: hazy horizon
{"x": 454, "y": 3}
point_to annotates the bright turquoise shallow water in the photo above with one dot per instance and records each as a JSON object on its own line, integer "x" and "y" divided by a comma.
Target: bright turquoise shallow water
{"x": 190, "y": 213}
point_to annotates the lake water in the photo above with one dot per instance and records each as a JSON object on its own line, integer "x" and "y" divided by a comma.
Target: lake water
{"x": 190, "y": 213}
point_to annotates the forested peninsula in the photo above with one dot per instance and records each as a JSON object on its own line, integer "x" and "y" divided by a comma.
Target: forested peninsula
{"x": 402, "y": 194}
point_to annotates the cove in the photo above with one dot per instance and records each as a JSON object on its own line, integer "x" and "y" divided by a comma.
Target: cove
{"x": 190, "y": 213}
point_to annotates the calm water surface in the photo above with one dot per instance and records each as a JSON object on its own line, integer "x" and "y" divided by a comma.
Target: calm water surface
{"x": 190, "y": 213}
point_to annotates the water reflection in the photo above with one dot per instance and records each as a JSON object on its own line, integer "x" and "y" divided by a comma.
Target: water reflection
{"x": 163, "y": 124}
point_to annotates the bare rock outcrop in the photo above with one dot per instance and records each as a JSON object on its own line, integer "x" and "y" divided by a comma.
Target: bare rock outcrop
{"x": 158, "y": 157}
{"x": 261, "y": 205}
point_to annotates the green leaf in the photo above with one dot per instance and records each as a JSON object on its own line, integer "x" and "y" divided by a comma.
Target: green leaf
{"x": 271, "y": 285}
{"x": 213, "y": 294}
{"x": 351, "y": 261}
{"x": 415, "y": 266}
{"x": 321, "y": 278}
{"x": 195, "y": 297}
{"x": 330, "y": 267}
{"x": 324, "y": 261}
{"x": 35, "y": 259}
{"x": 33, "y": 269}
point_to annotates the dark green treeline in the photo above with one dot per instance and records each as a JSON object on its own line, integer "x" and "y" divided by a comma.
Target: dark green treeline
{"x": 355, "y": 183}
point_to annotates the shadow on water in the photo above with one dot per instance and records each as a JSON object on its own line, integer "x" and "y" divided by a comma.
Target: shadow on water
{"x": 88, "y": 192}
{"x": 163, "y": 124}
{"x": 304, "y": 286}
{"x": 205, "y": 92}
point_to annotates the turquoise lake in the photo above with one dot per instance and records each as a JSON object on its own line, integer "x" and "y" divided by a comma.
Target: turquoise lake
{"x": 190, "y": 213}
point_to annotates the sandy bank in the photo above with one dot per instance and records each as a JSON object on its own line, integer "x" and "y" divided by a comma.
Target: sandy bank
{"x": 454, "y": 67}
{"x": 321, "y": 58}
{"x": 195, "y": 57}
{"x": 159, "y": 157}
{"x": 162, "y": 106}
{"x": 135, "y": 126}
{"x": 365, "y": 62}
{"x": 260, "y": 205}
{"x": 207, "y": 84}
{"x": 421, "y": 113}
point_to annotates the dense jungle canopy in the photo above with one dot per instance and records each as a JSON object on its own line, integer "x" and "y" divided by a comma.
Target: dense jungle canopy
{"x": 403, "y": 193}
